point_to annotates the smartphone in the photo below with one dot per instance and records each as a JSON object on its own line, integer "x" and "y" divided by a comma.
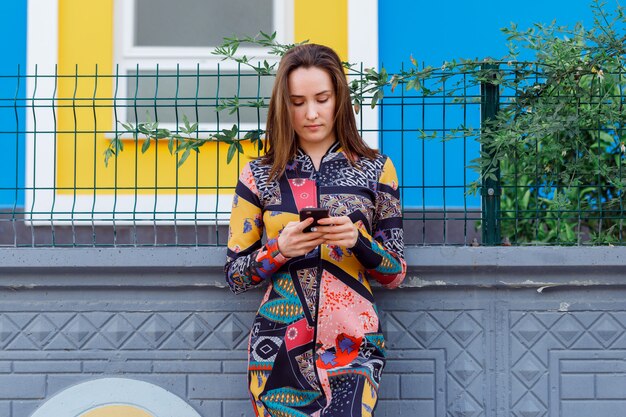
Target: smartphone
{"x": 315, "y": 212}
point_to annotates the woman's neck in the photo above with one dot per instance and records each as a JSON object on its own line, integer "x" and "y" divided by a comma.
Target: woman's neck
{"x": 316, "y": 151}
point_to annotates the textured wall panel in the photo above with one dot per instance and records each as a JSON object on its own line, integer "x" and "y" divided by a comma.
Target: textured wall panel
{"x": 452, "y": 352}
{"x": 463, "y": 347}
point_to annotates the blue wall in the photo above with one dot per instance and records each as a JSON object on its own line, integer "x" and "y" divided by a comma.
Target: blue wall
{"x": 12, "y": 114}
{"x": 466, "y": 29}
{"x": 433, "y": 33}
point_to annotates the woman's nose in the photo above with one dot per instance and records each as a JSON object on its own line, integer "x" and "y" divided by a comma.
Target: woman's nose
{"x": 311, "y": 113}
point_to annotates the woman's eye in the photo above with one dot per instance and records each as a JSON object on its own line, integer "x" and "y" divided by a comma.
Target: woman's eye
{"x": 322, "y": 100}
{"x": 297, "y": 104}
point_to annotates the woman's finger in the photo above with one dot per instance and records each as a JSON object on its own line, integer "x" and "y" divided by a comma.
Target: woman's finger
{"x": 334, "y": 220}
{"x": 293, "y": 242}
{"x": 342, "y": 237}
{"x": 314, "y": 243}
{"x": 302, "y": 248}
{"x": 300, "y": 226}
{"x": 335, "y": 228}
{"x": 308, "y": 237}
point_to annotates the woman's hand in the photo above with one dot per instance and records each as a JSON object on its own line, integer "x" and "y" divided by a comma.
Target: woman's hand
{"x": 339, "y": 231}
{"x": 293, "y": 242}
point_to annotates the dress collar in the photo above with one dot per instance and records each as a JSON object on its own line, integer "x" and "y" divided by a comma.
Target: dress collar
{"x": 335, "y": 147}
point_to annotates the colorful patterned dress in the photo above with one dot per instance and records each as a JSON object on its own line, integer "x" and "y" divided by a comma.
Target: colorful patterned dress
{"x": 316, "y": 345}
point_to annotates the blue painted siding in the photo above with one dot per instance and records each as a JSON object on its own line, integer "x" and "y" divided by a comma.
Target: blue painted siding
{"x": 12, "y": 113}
{"x": 433, "y": 34}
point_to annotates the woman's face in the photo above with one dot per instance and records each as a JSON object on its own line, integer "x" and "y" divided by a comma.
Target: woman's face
{"x": 312, "y": 107}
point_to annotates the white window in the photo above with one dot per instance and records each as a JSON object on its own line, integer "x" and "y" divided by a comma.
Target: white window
{"x": 151, "y": 32}
{"x": 166, "y": 69}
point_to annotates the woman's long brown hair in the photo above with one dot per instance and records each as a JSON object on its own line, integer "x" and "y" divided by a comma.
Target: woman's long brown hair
{"x": 281, "y": 145}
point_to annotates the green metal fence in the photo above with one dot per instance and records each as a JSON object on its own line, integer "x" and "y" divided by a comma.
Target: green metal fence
{"x": 56, "y": 128}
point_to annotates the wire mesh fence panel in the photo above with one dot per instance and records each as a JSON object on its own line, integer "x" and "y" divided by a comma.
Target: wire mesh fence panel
{"x": 562, "y": 180}
{"x": 94, "y": 159}
{"x": 65, "y": 192}
{"x": 419, "y": 130}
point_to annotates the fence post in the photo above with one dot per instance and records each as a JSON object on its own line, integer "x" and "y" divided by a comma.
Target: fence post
{"x": 490, "y": 189}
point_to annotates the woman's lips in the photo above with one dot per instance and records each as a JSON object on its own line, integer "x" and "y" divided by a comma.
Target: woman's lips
{"x": 313, "y": 127}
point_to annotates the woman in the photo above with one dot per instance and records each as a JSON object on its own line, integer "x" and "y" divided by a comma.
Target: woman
{"x": 316, "y": 346}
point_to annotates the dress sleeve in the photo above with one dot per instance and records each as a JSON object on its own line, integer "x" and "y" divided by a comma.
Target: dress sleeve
{"x": 249, "y": 262}
{"x": 383, "y": 254}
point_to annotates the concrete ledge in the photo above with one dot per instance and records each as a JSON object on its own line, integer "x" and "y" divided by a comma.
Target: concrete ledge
{"x": 516, "y": 267}
{"x": 112, "y": 258}
{"x": 429, "y": 266}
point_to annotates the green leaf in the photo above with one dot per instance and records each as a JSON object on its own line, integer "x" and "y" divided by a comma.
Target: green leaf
{"x": 374, "y": 100}
{"x": 383, "y": 76}
{"x": 143, "y": 128}
{"x": 394, "y": 82}
{"x": 183, "y": 158}
{"x": 378, "y": 95}
{"x": 107, "y": 155}
{"x": 231, "y": 152}
{"x": 229, "y": 134}
{"x": 162, "y": 134}
{"x": 253, "y": 135}
{"x": 129, "y": 127}
{"x": 146, "y": 145}
{"x": 222, "y": 138}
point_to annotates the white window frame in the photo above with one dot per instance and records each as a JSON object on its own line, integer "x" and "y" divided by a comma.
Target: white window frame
{"x": 43, "y": 206}
{"x": 363, "y": 48}
{"x": 127, "y": 56}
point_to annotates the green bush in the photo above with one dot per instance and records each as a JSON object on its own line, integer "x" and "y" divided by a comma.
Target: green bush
{"x": 559, "y": 142}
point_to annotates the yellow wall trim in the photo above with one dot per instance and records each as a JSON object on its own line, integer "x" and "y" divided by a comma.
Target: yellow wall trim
{"x": 86, "y": 39}
{"x": 324, "y": 22}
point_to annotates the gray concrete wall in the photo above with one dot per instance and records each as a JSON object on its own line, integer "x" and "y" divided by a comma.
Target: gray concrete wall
{"x": 473, "y": 332}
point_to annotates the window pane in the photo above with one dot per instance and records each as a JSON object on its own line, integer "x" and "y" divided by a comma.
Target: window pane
{"x": 167, "y": 98}
{"x": 199, "y": 22}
